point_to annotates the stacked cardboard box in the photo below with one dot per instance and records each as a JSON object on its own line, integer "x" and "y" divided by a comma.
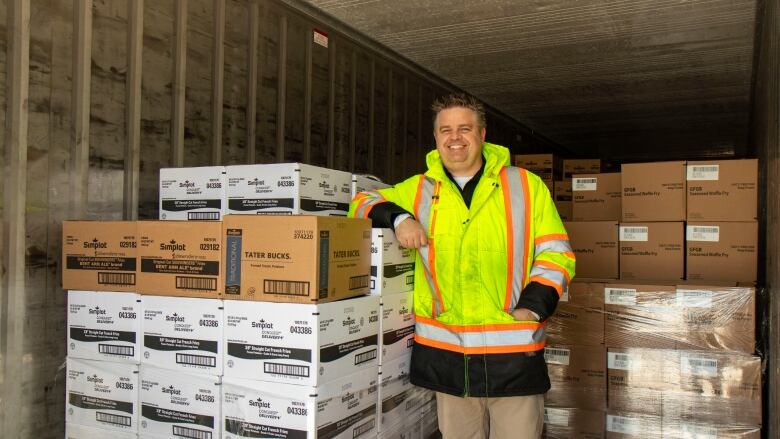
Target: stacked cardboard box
{"x": 547, "y": 166}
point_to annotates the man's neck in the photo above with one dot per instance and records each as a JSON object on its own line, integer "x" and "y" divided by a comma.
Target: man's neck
{"x": 468, "y": 172}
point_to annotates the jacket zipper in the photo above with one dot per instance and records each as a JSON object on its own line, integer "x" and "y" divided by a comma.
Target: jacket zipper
{"x": 466, "y": 376}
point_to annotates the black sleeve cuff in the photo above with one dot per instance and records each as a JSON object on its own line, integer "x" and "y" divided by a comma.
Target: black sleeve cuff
{"x": 540, "y": 299}
{"x": 383, "y": 214}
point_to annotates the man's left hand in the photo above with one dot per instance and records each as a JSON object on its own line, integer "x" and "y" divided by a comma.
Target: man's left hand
{"x": 523, "y": 314}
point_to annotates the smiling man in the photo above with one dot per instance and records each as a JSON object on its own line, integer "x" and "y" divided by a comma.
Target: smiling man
{"x": 493, "y": 259}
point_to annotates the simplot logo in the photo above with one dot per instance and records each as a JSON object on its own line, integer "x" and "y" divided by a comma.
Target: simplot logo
{"x": 187, "y": 183}
{"x": 171, "y": 390}
{"x": 262, "y": 324}
{"x": 256, "y": 182}
{"x": 349, "y": 321}
{"x": 95, "y": 244}
{"x": 97, "y": 311}
{"x": 174, "y": 318}
{"x": 95, "y": 379}
{"x": 259, "y": 403}
{"x": 172, "y": 246}
{"x": 403, "y": 310}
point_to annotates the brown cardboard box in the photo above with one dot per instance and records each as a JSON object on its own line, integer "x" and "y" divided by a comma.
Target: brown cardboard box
{"x": 595, "y": 243}
{"x": 692, "y": 385}
{"x": 651, "y": 251}
{"x": 653, "y": 191}
{"x": 578, "y": 376}
{"x": 622, "y": 425}
{"x": 682, "y": 317}
{"x": 99, "y": 255}
{"x": 573, "y": 423}
{"x": 548, "y": 167}
{"x": 562, "y": 198}
{"x": 298, "y": 259}
{"x": 596, "y": 197}
{"x": 579, "y": 317}
{"x": 718, "y": 251}
{"x": 580, "y": 166}
{"x": 181, "y": 258}
{"x": 723, "y": 190}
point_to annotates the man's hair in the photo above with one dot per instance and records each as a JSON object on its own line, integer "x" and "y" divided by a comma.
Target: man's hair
{"x": 459, "y": 100}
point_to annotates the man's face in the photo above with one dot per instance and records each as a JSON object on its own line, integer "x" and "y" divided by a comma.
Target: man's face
{"x": 459, "y": 140}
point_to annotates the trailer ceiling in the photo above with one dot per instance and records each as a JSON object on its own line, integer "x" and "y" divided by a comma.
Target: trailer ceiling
{"x": 626, "y": 79}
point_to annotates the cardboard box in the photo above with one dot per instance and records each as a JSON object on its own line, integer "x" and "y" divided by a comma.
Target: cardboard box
{"x": 177, "y": 404}
{"x": 396, "y": 326}
{"x": 681, "y": 317}
{"x": 303, "y": 259}
{"x": 398, "y": 398}
{"x": 305, "y": 344}
{"x": 288, "y": 189}
{"x": 183, "y": 334}
{"x": 652, "y": 251}
{"x": 579, "y": 317}
{"x": 578, "y": 375}
{"x": 392, "y": 266}
{"x": 75, "y": 431}
{"x": 193, "y": 193}
{"x": 342, "y": 409}
{"x": 596, "y": 197}
{"x": 653, "y": 191}
{"x": 718, "y": 251}
{"x": 638, "y": 425}
{"x": 180, "y": 258}
{"x": 722, "y": 190}
{"x": 573, "y": 423}
{"x": 562, "y": 195}
{"x": 548, "y": 167}
{"x": 99, "y": 255}
{"x": 595, "y": 243}
{"x": 102, "y": 394}
{"x": 580, "y": 166}
{"x": 104, "y": 326}
{"x": 698, "y": 386}
{"x": 363, "y": 183}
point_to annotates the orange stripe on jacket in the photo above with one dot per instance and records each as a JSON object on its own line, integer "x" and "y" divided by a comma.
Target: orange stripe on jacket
{"x": 552, "y": 237}
{"x": 510, "y": 251}
{"x": 548, "y": 282}
{"x": 553, "y": 266}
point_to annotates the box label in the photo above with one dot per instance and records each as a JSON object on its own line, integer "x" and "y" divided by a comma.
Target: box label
{"x": 703, "y": 172}
{"x": 620, "y": 361}
{"x": 557, "y": 356}
{"x": 698, "y": 366}
{"x": 565, "y": 295}
{"x": 634, "y": 233}
{"x": 694, "y": 298}
{"x": 621, "y": 424}
{"x": 698, "y": 431}
{"x": 703, "y": 233}
{"x": 557, "y": 417}
{"x": 584, "y": 184}
{"x": 620, "y": 296}
{"x": 233, "y": 261}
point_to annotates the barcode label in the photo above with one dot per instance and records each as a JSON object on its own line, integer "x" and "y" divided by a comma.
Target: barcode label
{"x": 621, "y": 424}
{"x": 557, "y": 356}
{"x": 638, "y": 234}
{"x": 694, "y": 298}
{"x": 620, "y": 361}
{"x": 410, "y": 343}
{"x": 286, "y": 369}
{"x": 698, "y": 431}
{"x": 190, "y": 433}
{"x": 703, "y": 233}
{"x": 565, "y": 295}
{"x": 708, "y": 172}
{"x": 111, "y": 349}
{"x": 286, "y": 287}
{"x": 620, "y": 296}
{"x": 196, "y": 283}
{"x": 557, "y": 417}
{"x": 364, "y": 428}
{"x": 704, "y": 367}
{"x": 196, "y": 360}
{"x": 116, "y": 278}
{"x": 365, "y": 356}
{"x": 410, "y": 279}
{"x": 202, "y": 216}
{"x": 583, "y": 184}
{"x": 113, "y": 419}
{"x": 357, "y": 282}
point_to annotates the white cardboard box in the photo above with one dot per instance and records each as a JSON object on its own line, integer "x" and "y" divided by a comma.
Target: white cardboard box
{"x": 104, "y": 325}
{"x": 398, "y": 398}
{"x": 300, "y": 343}
{"x": 363, "y": 183}
{"x": 192, "y": 193}
{"x": 75, "y": 431}
{"x": 182, "y": 333}
{"x": 397, "y": 326}
{"x": 341, "y": 409}
{"x": 178, "y": 404}
{"x": 392, "y": 266}
{"x": 102, "y": 394}
{"x": 287, "y": 189}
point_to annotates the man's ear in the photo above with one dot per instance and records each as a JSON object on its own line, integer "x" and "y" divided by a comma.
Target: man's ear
{"x": 483, "y": 131}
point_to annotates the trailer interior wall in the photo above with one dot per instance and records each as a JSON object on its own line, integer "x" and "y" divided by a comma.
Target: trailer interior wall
{"x": 97, "y": 95}
{"x": 766, "y": 138}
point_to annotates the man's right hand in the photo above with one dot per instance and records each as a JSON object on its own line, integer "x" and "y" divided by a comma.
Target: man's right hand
{"x": 411, "y": 234}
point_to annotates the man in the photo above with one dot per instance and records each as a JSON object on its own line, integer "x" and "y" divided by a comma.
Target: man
{"x": 493, "y": 259}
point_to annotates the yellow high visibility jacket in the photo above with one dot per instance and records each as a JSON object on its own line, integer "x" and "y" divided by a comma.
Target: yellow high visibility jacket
{"x": 507, "y": 249}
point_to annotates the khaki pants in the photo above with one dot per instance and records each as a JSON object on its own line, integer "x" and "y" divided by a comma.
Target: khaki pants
{"x": 509, "y": 417}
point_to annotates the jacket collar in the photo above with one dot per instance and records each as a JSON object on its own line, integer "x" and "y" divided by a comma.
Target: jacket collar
{"x": 494, "y": 157}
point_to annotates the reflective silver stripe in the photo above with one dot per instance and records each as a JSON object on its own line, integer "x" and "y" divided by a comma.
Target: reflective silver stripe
{"x": 515, "y": 181}
{"x": 550, "y": 274}
{"x": 423, "y": 214}
{"x": 555, "y": 245}
{"x": 481, "y": 339}
{"x": 374, "y": 199}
